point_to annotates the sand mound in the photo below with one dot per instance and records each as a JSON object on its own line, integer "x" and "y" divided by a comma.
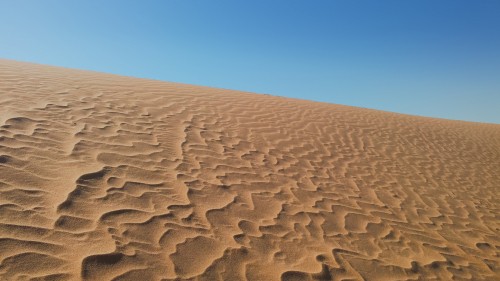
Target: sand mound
{"x": 105, "y": 177}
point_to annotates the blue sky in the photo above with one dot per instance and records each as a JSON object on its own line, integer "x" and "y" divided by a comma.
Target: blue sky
{"x": 423, "y": 57}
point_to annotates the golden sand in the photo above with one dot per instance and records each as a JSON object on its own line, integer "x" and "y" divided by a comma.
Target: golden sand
{"x": 104, "y": 177}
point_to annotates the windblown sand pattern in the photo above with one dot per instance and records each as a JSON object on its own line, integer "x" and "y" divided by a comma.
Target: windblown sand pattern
{"x": 105, "y": 177}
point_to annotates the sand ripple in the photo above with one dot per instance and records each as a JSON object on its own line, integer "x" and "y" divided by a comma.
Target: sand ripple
{"x": 105, "y": 177}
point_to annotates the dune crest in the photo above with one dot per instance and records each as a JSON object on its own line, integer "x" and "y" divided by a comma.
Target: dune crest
{"x": 104, "y": 177}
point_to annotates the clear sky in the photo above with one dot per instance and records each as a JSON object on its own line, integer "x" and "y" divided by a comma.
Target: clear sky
{"x": 425, "y": 57}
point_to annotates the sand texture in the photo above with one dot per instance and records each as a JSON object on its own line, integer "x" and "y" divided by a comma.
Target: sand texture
{"x": 104, "y": 177}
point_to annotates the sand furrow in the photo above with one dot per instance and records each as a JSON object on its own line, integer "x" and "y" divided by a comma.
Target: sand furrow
{"x": 105, "y": 177}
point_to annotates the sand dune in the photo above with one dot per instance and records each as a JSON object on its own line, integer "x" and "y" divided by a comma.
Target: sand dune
{"x": 104, "y": 177}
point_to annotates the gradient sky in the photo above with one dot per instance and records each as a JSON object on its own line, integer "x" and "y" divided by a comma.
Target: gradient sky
{"x": 424, "y": 57}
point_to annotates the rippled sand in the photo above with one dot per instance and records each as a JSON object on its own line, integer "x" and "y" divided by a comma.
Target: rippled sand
{"x": 104, "y": 177}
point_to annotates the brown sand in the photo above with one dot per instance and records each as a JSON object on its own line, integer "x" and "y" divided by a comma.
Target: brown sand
{"x": 104, "y": 177}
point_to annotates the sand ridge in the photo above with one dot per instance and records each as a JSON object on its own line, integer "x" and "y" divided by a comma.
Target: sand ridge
{"x": 104, "y": 177}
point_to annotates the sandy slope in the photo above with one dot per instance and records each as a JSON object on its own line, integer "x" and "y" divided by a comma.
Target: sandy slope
{"x": 105, "y": 177}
